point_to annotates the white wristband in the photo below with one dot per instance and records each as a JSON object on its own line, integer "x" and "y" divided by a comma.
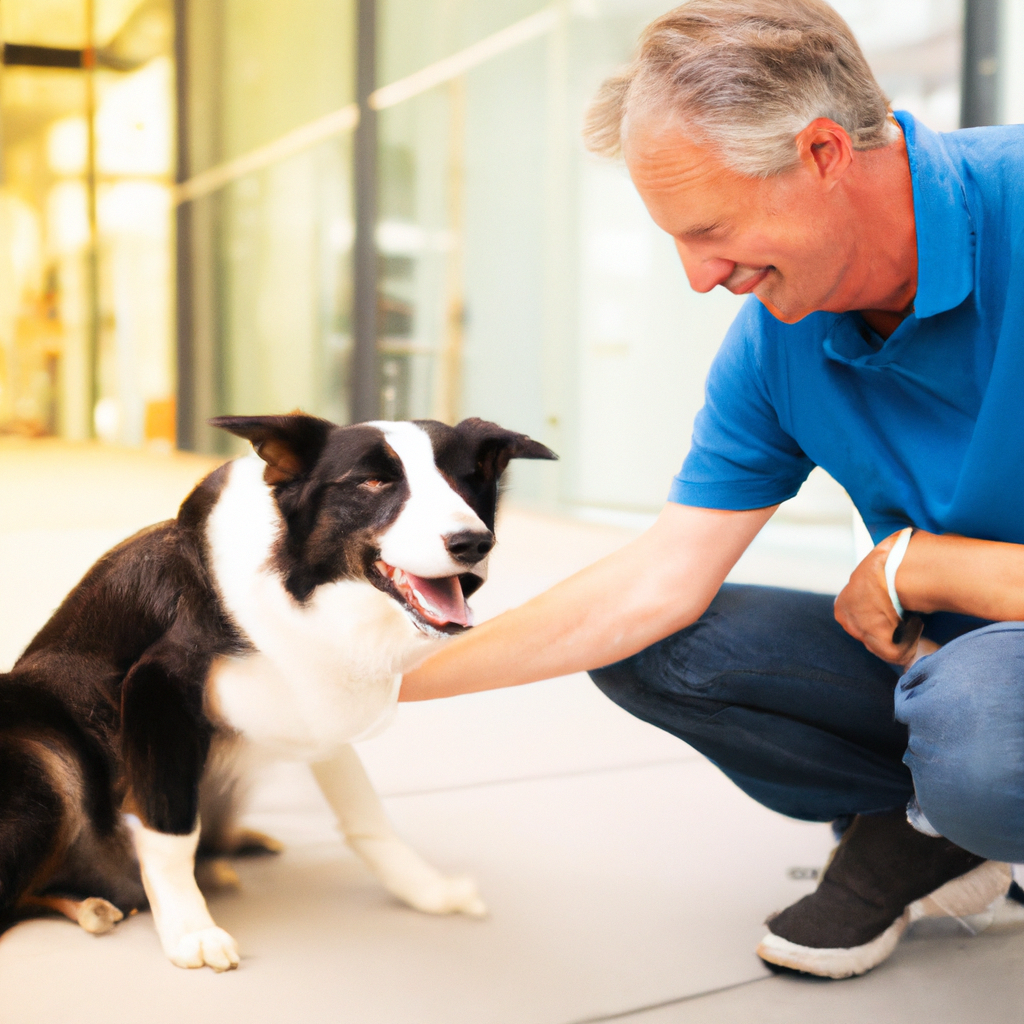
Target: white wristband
{"x": 892, "y": 563}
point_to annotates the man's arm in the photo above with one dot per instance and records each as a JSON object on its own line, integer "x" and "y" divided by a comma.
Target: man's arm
{"x": 659, "y": 583}
{"x": 945, "y": 573}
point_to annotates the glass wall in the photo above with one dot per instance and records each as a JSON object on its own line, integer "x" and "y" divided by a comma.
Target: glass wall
{"x": 519, "y": 279}
{"x": 269, "y": 243}
{"x": 86, "y": 152}
{"x": 525, "y": 277}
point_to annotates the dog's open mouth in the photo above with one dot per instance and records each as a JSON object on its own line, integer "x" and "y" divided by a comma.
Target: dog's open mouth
{"x": 438, "y": 603}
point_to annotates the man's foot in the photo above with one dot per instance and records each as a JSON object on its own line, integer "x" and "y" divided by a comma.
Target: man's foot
{"x": 883, "y": 875}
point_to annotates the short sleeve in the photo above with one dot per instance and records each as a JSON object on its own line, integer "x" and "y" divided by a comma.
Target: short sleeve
{"x": 740, "y": 457}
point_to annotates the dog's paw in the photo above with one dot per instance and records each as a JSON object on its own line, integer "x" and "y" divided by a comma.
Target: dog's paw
{"x": 209, "y": 947}
{"x": 456, "y": 894}
{"x": 97, "y": 916}
{"x": 247, "y": 842}
{"x": 215, "y": 874}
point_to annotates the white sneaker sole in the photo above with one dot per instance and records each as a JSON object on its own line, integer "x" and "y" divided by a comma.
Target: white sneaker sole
{"x": 971, "y": 894}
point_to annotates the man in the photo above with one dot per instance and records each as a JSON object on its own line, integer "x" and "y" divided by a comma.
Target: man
{"x": 884, "y": 341}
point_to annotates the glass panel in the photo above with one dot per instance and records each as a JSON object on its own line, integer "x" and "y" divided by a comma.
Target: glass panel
{"x": 418, "y": 237}
{"x": 573, "y": 318}
{"x": 85, "y": 242}
{"x": 414, "y": 33}
{"x": 285, "y": 272}
{"x": 914, "y": 48}
{"x": 44, "y": 236}
{"x": 134, "y": 173}
{"x": 44, "y": 22}
{"x": 282, "y": 64}
{"x": 271, "y": 250}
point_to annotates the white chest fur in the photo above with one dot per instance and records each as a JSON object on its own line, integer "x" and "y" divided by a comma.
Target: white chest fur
{"x": 325, "y": 672}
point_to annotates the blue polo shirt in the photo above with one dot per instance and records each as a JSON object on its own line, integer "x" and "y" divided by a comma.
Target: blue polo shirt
{"x": 925, "y": 428}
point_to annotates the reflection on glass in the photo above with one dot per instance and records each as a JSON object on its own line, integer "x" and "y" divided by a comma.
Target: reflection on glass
{"x": 87, "y": 351}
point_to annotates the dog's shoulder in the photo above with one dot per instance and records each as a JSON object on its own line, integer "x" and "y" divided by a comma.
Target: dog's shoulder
{"x": 140, "y": 588}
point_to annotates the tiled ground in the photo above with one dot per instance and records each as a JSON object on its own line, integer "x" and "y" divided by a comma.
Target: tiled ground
{"x": 626, "y": 878}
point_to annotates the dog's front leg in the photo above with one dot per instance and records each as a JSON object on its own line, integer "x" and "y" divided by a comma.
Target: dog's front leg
{"x": 183, "y": 922}
{"x": 165, "y": 740}
{"x": 401, "y": 869}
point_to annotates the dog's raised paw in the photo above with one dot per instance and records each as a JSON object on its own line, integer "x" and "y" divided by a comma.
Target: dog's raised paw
{"x": 98, "y": 916}
{"x": 209, "y": 947}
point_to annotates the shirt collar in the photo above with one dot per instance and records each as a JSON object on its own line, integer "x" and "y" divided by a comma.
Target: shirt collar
{"x": 945, "y": 232}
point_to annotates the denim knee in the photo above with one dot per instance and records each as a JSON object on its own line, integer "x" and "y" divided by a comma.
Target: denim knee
{"x": 964, "y": 709}
{"x": 619, "y": 683}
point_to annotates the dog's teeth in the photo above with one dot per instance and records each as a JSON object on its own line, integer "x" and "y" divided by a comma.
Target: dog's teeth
{"x": 398, "y": 576}
{"x": 425, "y": 604}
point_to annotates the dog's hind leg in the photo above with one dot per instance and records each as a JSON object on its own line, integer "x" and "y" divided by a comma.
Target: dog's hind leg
{"x": 32, "y": 826}
{"x": 96, "y": 915}
{"x": 401, "y": 869}
{"x": 223, "y": 793}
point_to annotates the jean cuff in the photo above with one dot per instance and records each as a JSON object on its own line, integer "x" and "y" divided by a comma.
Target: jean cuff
{"x": 916, "y": 818}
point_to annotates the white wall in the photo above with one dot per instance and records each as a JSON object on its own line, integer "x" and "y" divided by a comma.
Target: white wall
{"x": 1012, "y": 70}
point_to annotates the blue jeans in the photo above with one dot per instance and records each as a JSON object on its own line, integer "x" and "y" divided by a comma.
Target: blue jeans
{"x": 801, "y": 716}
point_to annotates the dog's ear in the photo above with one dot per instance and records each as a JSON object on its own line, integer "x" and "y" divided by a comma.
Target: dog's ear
{"x": 289, "y": 445}
{"x": 496, "y": 446}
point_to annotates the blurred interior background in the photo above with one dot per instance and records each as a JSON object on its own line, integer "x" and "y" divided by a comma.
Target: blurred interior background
{"x": 368, "y": 208}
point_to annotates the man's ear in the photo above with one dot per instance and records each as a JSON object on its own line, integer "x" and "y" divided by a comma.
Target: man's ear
{"x": 289, "y": 445}
{"x": 496, "y": 446}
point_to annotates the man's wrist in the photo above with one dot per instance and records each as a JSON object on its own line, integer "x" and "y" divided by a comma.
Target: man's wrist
{"x": 892, "y": 563}
{"x": 918, "y": 580}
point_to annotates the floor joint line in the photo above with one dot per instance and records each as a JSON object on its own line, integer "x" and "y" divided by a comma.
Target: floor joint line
{"x": 542, "y": 778}
{"x": 651, "y": 1007}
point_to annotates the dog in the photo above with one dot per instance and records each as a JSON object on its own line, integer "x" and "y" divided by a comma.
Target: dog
{"x": 272, "y": 619}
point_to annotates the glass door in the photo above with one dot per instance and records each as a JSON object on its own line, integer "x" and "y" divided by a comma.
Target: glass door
{"x": 86, "y": 153}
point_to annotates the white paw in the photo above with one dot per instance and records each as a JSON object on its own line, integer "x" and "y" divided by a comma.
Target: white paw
{"x": 210, "y": 947}
{"x": 452, "y": 895}
{"x": 98, "y": 916}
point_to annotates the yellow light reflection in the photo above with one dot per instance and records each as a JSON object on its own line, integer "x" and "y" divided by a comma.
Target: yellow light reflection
{"x": 67, "y": 217}
{"x": 133, "y": 122}
{"x": 67, "y": 146}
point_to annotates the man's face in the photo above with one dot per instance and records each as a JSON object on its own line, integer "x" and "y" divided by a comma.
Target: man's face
{"x": 783, "y": 238}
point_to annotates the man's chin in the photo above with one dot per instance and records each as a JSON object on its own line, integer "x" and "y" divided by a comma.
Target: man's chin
{"x": 787, "y": 313}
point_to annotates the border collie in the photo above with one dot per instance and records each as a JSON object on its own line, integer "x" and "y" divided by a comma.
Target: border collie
{"x": 272, "y": 618}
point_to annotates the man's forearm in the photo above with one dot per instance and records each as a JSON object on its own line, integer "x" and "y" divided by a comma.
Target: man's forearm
{"x": 654, "y": 586}
{"x": 960, "y": 574}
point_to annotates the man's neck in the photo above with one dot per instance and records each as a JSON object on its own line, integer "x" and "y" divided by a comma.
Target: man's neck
{"x": 882, "y": 192}
{"x": 882, "y": 322}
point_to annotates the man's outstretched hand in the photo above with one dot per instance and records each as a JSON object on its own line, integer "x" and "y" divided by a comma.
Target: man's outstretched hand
{"x": 866, "y": 612}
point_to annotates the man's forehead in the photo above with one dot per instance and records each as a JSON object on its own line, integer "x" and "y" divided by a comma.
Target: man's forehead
{"x": 681, "y": 181}
{"x": 663, "y": 158}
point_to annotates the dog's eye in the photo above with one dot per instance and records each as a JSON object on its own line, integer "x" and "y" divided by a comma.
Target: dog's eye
{"x": 373, "y": 485}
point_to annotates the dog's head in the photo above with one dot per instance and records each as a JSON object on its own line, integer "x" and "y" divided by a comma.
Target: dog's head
{"x": 406, "y": 506}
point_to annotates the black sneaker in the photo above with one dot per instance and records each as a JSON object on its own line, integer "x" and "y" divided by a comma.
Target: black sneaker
{"x": 883, "y": 875}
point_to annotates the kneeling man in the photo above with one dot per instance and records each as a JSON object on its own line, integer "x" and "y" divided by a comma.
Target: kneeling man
{"x": 884, "y": 341}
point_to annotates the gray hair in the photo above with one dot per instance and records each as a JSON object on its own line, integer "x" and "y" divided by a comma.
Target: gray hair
{"x": 745, "y": 77}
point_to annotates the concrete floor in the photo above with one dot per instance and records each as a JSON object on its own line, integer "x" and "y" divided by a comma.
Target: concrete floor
{"x": 626, "y": 877}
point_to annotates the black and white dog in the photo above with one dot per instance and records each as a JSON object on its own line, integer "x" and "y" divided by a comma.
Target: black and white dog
{"x": 272, "y": 619}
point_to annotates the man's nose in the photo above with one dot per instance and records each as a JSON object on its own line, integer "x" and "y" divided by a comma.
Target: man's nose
{"x": 704, "y": 274}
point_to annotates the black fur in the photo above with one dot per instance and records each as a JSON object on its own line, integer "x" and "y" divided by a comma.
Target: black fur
{"x": 112, "y": 689}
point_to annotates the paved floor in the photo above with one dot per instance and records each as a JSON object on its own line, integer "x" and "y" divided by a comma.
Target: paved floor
{"x": 626, "y": 877}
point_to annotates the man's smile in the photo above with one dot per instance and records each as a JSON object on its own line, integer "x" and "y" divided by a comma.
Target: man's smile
{"x": 745, "y": 279}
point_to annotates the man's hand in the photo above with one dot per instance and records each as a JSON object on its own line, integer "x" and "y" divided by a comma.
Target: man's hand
{"x": 865, "y": 610}
{"x": 657, "y": 584}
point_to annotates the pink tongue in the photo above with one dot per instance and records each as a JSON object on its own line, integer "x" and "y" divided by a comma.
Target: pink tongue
{"x": 446, "y": 597}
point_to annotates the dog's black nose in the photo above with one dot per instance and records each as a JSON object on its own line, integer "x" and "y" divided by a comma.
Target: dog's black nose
{"x": 469, "y": 546}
